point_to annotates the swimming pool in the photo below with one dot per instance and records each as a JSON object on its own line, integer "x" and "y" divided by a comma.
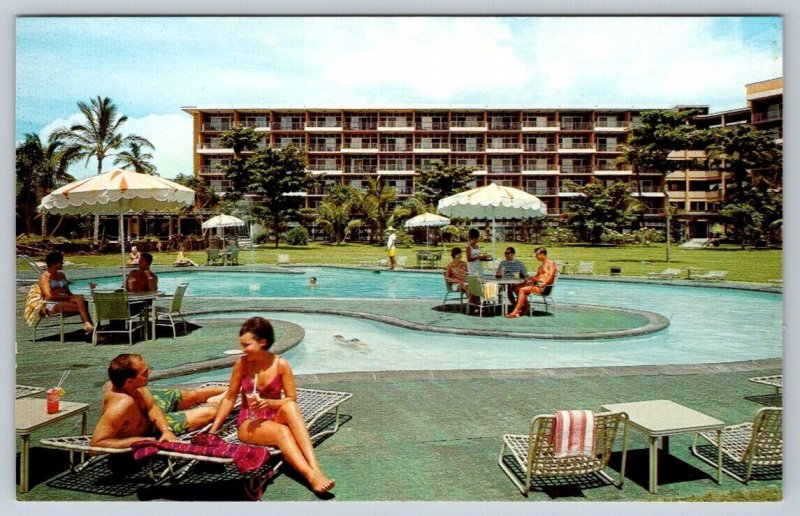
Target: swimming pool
{"x": 706, "y": 324}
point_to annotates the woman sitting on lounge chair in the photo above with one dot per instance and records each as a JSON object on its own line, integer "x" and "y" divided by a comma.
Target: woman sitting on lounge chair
{"x": 266, "y": 417}
{"x": 182, "y": 260}
{"x": 56, "y": 293}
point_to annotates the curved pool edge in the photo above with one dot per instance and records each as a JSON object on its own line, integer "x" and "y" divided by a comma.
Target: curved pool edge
{"x": 655, "y": 322}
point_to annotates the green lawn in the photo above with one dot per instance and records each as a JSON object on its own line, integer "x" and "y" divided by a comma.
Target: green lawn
{"x": 743, "y": 265}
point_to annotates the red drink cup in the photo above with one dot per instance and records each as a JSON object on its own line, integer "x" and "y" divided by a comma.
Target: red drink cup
{"x": 53, "y": 401}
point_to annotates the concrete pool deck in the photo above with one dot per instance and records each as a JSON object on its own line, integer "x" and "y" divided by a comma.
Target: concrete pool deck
{"x": 409, "y": 435}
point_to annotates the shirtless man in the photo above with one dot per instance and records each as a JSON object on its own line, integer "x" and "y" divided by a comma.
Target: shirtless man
{"x": 142, "y": 278}
{"x": 537, "y": 283}
{"x": 130, "y": 412}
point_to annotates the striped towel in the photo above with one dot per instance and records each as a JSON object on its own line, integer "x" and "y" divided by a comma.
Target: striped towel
{"x": 490, "y": 290}
{"x": 247, "y": 458}
{"x": 34, "y": 305}
{"x": 573, "y": 433}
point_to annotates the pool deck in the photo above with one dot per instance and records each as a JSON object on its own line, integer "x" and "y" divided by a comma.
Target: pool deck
{"x": 408, "y": 435}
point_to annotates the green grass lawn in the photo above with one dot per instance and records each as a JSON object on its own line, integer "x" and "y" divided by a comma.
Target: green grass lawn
{"x": 743, "y": 265}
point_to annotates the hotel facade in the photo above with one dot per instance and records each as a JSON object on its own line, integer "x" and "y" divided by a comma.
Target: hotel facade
{"x": 535, "y": 150}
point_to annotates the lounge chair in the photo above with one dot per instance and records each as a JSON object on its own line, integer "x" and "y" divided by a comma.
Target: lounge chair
{"x": 668, "y": 273}
{"x": 487, "y": 294}
{"x": 756, "y": 444}
{"x": 773, "y": 381}
{"x": 114, "y": 306}
{"x": 27, "y": 390}
{"x": 283, "y": 259}
{"x": 314, "y": 404}
{"x": 164, "y": 314}
{"x": 585, "y": 268}
{"x": 233, "y": 256}
{"x": 711, "y": 276}
{"x": 545, "y": 298}
{"x": 451, "y": 288}
{"x": 534, "y": 454}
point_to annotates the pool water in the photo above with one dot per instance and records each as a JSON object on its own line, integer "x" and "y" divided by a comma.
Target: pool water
{"x": 706, "y": 324}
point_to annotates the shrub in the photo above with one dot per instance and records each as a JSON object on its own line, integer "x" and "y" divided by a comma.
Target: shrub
{"x": 647, "y": 235}
{"x": 610, "y": 236}
{"x": 554, "y": 236}
{"x": 296, "y": 236}
{"x": 261, "y": 238}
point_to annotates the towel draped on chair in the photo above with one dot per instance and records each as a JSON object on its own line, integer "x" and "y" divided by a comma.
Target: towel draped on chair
{"x": 247, "y": 458}
{"x": 490, "y": 290}
{"x": 573, "y": 433}
{"x": 34, "y": 305}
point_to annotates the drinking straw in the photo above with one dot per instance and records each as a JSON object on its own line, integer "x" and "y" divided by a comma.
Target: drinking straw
{"x": 64, "y": 376}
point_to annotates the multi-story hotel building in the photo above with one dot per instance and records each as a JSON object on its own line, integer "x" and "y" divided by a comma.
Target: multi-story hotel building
{"x": 535, "y": 150}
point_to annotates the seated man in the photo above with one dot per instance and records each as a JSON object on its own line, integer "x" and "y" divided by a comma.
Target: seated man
{"x": 537, "y": 283}
{"x": 130, "y": 412}
{"x": 511, "y": 268}
{"x": 142, "y": 278}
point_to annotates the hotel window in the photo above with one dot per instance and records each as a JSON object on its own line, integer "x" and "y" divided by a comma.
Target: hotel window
{"x": 607, "y": 144}
{"x": 501, "y": 165}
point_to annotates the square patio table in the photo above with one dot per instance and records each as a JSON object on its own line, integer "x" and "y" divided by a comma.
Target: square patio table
{"x": 148, "y": 298}
{"x": 31, "y": 415}
{"x": 659, "y": 419}
{"x": 27, "y": 390}
{"x": 505, "y": 283}
{"x": 773, "y": 381}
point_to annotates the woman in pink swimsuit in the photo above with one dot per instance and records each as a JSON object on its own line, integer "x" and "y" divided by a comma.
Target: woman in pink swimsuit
{"x": 273, "y": 417}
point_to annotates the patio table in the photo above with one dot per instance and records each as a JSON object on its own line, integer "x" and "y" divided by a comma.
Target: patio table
{"x": 659, "y": 419}
{"x": 31, "y": 415}
{"x": 505, "y": 283}
{"x": 148, "y": 298}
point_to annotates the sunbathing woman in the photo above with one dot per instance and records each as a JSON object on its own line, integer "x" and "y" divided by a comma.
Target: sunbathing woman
{"x": 56, "y": 293}
{"x": 269, "y": 418}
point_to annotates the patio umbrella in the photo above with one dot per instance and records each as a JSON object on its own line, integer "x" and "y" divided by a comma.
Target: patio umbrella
{"x": 223, "y": 221}
{"x": 492, "y": 202}
{"x": 116, "y": 193}
{"x": 426, "y": 220}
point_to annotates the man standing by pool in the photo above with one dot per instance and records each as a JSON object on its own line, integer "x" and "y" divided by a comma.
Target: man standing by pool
{"x": 511, "y": 268}
{"x": 539, "y": 283}
{"x": 391, "y": 248}
{"x": 142, "y": 278}
{"x": 130, "y": 412}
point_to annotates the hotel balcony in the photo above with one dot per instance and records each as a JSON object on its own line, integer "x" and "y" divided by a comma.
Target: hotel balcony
{"x": 468, "y": 126}
{"x": 205, "y": 148}
{"x": 431, "y": 148}
{"x": 576, "y": 169}
{"x": 432, "y": 126}
{"x": 647, "y": 191}
{"x": 281, "y": 126}
{"x": 326, "y": 170}
{"x": 504, "y": 126}
{"x": 767, "y": 116}
{"x": 538, "y": 147}
{"x": 363, "y": 170}
{"x": 540, "y": 170}
{"x": 320, "y": 191}
{"x": 360, "y": 149}
{"x": 611, "y": 170}
{"x": 504, "y": 148}
{"x": 576, "y": 126}
{"x": 467, "y": 147}
{"x": 543, "y": 191}
{"x": 218, "y": 126}
{"x": 504, "y": 169}
{"x": 551, "y": 126}
{"x": 395, "y": 126}
{"x": 575, "y": 148}
{"x": 605, "y": 147}
{"x": 396, "y": 170}
{"x": 479, "y": 172}
{"x": 616, "y": 126}
{"x": 323, "y": 148}
{"x": 323, "y": 127}
{"x": 394, "y": 147}
{"x": 261, "y": 126}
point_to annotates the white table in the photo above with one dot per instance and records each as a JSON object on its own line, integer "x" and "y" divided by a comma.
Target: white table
{"x": 31, "y": 415}
{"x": 659, "y": 419}
{"x": 27, "y": 390}
{"x": 148, "y": 298}
{"x": 505, "y": 283}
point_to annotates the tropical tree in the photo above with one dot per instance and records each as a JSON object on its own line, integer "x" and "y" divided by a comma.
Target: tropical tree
{"x": 40, "y": 169}
{"x": 136, "y": 159}
{"x": 278, "y": 179}
{"x": 205, "y": 197}
{"x": 98, "y": 136}
{"x": 377, "y": 204}
{"x": 650, "y": 145}
{"x": 335, "y": 213}
{"x": 599, "y": 208}
{"x": 240, "y": 139}
{"x": 440, "y": 180}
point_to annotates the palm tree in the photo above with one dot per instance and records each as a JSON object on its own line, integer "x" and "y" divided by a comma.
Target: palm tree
{"x": 98, "y": 136}
{"x": 335, "y": 212}
{"x": 40, "y": 170}
{"x": 136, "y": 159}
{"x": 377, "y": 204}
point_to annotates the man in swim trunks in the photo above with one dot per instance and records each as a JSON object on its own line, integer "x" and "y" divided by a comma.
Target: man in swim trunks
{"x": 131, "y": 412}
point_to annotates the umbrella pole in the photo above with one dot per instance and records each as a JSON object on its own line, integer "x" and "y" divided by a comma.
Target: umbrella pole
{"x": 122, "y": 245}
{"x": 494, "y": 243}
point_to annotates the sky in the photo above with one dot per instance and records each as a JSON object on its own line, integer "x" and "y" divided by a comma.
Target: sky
{"x": 150, "y": 67}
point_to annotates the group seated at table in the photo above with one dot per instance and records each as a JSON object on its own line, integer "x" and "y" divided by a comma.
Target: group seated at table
{"x": 538, "y": 284}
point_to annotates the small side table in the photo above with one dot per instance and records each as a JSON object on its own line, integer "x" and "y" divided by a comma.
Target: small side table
{"x": 31, "y": 415}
